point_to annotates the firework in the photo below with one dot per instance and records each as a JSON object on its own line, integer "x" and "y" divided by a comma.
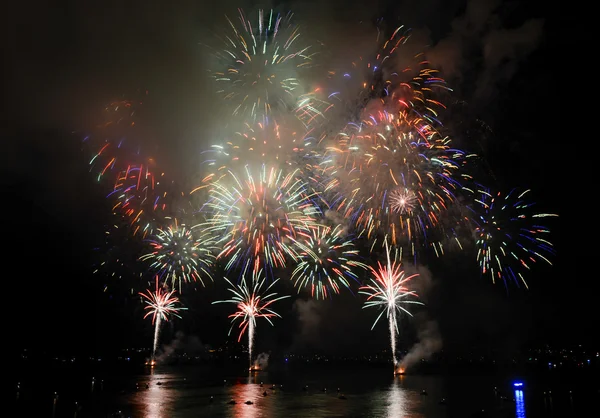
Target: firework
{"x": 115, "y": 260}
{"x": 398, "y": 171}
{"x": 396, "y": 73}
{"x": 402, "y": 200}
{"x": 116, "y": 140}
{"x": 388, "y": 291}
{"x": 281, "y": 145}
{"x": 326, "y": 259}
{"x": 160, "y": 305}
{"x": 139, "y": 191}
{"x": 141, "y": 197}
{"x": 286, "y": 148}
{"x": 313, "y": 108}
{"x": 253, "y": 299}
{"x": 508, "y": 237}
{"x": 254, "y": 214}
{"x": 179, "y": 256}
{"x": 261, "y": 63}
{"x": 400, "y": 176}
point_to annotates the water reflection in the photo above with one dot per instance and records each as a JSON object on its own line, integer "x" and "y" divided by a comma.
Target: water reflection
{"x": 520, "y": 404}
{"x": 152, "y": 397}
{"x": 246, "y": 392}
{"x": 155, "y": 399}
{"x": 397, "y": 401}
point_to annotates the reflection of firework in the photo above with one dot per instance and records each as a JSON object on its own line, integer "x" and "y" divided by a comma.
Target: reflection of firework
{"x": 253, "y": 301}
{"x": 179, "y": 256}
{"x": 256, "y": 212}
{"x": 260, "y": 63}
{"x": 326, "y": 260}
{"x": 388, "y": 291}
{"x": 508, "y": 237}
{"x": 401, "y": 177}
{"x": 161, "y": 305}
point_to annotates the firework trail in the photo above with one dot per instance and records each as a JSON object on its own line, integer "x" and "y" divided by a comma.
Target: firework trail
{"x": 253, "y": 299}
{"x": 254, "y": 214}
{"x": 178, "y": 255}
{"x": 388, "y": 291}
{"x": 326, "y": 259}
{"x": 160, "y": 305}
{"x": 399, "y": 177}
{"x": 260, "y": 65}
{"x": 508, "y": 237}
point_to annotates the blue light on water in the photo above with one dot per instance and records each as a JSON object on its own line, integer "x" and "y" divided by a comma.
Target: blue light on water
{"x": 518, "y": 384}
{"x": 520, "y": 404}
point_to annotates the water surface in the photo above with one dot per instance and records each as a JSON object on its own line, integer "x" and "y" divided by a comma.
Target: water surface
{"x": 295, "y": 392}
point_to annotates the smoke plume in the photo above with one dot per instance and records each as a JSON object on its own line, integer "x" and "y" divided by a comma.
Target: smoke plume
{"x": 309, "y": 320}
{"x": 190, "y": 345}
{"x": 261, "y": 362}
{"x": 430, "y": 341}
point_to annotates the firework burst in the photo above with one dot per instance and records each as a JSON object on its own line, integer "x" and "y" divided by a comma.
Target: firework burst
{"x": 401, "y": 176}
{"x": 160, "y": 305}
{"x": 253, "y": 299}
{"x": 255, "y": 213}
{"x": 179, "y": 256}
{"x": 326, "y": 260}
{"x": 508, "y": 237}
{"x": 388, "y": 290}
{"x": 402, "y": 200}
{"x": 260, "y": 64}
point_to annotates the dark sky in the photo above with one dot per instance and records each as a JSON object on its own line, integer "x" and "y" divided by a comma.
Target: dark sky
{"x": 63, "y": 64}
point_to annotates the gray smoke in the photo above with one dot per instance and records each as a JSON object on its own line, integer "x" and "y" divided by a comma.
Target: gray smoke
{"x": 429, "y": 338}
{"x": 430, "y": 342}
{"x": 190, "y": 345}
{"x": 262, "y": 361}
{"x": 480, "y": 35}
{"x": 335, "y": 218}
{"x": 309, "y": 320}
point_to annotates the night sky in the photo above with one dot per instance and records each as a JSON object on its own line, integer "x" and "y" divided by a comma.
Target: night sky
{"x": 62, "y": 65}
